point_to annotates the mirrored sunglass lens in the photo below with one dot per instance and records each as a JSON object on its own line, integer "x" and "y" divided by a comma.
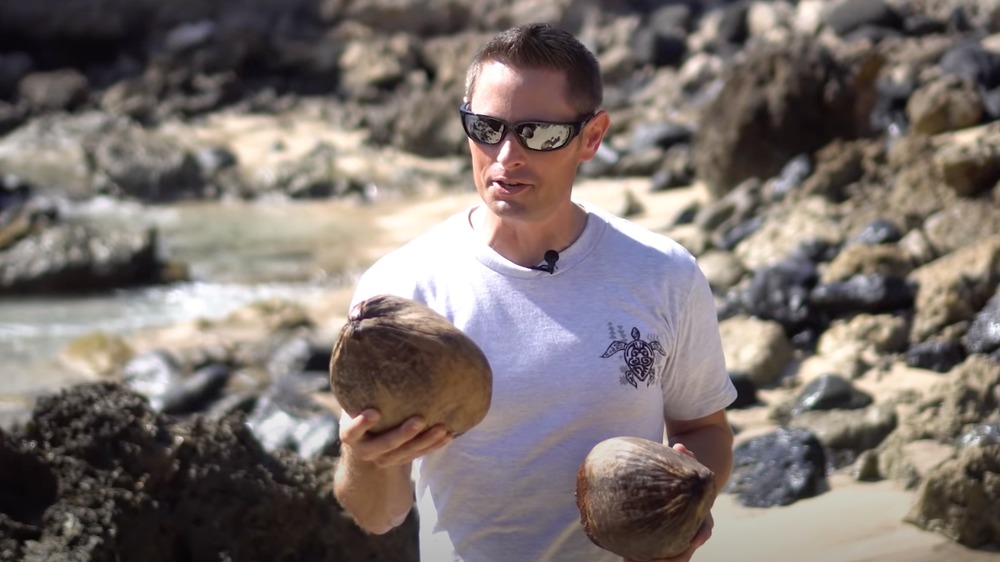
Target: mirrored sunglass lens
{"x": 545, "y": 136}
{"x": 488, "y": 131}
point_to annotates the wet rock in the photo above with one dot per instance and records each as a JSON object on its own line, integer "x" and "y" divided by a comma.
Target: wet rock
{"x": 791, "y": 176}
{"x": 879, "y": 231}
{"x": 961, "y": 500}
{"x": 661, "y": 135}
{"x": 781, "y": 293}
{"x": 152, "y": 375}
{"x": 777, "y": 469}
{"x": 196, "y": 391}
{"x": 941, "y": 355}
{"x": 297, "y": 354}
{"x": 746, "y": 390}
{"x": 863, "y": 293}
{"x": 972, "y": 62}
{"x": 286, "y": 417}
{"x": 981, "y": 436}
{"x": 734, "y": 208}
{"x": 675, "y": 170}
{"x": 983, "y": 335}
{"x": 852, "y": 15}
{"x": 79, "y": 258}
{"x": 829, "y": 392}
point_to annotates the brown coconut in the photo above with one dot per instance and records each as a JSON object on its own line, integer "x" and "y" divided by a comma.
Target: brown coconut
{"x": 404, "y": 359}
{"x": 641, "y": 499}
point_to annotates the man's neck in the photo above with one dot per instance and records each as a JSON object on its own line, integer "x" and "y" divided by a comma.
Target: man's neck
{"x": 525, "y": 242}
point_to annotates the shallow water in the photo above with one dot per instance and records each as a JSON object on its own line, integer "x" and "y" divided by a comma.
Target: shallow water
{"x": 237, "y": 253}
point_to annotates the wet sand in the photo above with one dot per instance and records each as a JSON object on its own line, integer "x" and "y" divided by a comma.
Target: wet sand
{"x": 853, "y": 522}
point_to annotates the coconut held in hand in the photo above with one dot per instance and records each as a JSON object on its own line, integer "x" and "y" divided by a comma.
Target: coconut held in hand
{"x": 404, "y": 359}
{"x": 641, "y": 499}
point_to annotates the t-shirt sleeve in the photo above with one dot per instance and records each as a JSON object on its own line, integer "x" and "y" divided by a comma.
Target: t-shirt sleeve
{"x": 696, "y": 382}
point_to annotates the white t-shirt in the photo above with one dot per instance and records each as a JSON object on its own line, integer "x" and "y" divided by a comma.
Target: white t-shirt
{"x": 622, "y": 333}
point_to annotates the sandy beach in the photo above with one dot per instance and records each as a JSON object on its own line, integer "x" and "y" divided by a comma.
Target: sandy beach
{"x": 853, "y": 522}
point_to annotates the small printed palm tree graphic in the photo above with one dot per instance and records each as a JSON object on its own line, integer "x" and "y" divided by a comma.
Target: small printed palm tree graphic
{"x": 638, "y": 357}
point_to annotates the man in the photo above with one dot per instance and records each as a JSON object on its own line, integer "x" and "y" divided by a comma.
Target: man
{"x": 594, "y": 328}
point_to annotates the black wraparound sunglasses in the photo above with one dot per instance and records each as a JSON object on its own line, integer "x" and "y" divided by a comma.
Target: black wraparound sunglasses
{"x": 541, "y": 136}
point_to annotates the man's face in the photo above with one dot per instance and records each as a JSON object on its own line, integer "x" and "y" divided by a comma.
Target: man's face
{"x": 514, "y": 182}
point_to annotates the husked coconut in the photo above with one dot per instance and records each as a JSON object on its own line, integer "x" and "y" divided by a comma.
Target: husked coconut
{"x": 404, "y": 359}
{"x": 642, "y": 499}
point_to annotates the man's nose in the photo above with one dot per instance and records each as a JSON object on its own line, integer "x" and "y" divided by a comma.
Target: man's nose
{"x": 511, "y": 152}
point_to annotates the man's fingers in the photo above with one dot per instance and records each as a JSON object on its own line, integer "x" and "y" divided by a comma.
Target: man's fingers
{"x": 680, "y": 448}
{"x": 416, "y": 446}
{"x": 353, "y": 429}
{"x": 399, "y": 445}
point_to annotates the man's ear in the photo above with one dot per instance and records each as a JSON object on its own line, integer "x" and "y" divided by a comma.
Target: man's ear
{"x": 593, "y": 133}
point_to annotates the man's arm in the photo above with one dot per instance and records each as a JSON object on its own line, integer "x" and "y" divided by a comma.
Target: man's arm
{"x": 372, "y": 481}
{"x": 710, "y": 439}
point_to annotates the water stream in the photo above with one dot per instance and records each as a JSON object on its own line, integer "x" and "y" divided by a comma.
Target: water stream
{"x": 237, "y": 253}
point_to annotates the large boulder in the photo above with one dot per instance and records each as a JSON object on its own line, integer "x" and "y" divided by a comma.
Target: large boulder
{"x": 961, "y": 498}
{"x": 781, "y": 101}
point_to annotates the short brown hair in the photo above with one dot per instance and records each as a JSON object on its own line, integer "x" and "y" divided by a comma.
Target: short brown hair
{"x": 543, "y": 46}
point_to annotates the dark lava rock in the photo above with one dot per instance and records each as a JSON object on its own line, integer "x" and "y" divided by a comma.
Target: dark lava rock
{"x": 97, "y": 475}
{"x": 864, "y": 293}
{"x": 830, "y": 392}
{"x": 746, "y": 391}
{"x": 779, "y": 468}
{"x": 983, "y": 335}
{"x": 939, "y": 356}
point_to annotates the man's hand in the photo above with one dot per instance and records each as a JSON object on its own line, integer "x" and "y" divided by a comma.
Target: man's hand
{"x": 395, "y": 447}
{"x": 704, "y": 532}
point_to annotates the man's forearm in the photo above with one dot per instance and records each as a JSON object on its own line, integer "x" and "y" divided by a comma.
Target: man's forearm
{"x": 712, "y": 445}
{"x": 378, "y": 498}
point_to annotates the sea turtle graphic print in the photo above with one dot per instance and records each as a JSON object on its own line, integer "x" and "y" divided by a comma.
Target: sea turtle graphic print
{"x": 640, "y": 358}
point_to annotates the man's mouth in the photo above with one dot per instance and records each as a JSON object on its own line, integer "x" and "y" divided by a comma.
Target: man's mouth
{"x": 509, "y": 186}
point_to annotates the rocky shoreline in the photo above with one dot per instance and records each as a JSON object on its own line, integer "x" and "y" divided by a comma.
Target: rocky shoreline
{"x": 850, "y": 231}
